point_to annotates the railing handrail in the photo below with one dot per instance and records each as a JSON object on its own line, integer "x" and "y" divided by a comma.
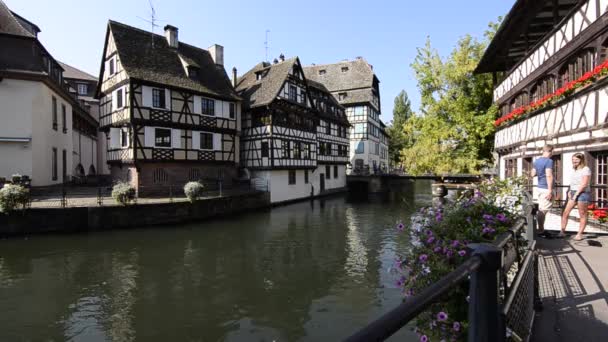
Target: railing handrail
{"x": 394, "y": 320}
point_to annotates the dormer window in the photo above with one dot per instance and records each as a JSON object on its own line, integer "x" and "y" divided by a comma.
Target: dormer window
{"x": 192, "y": 72}
{"x": 322, "y": 72}
{"x": 342, "y": 96}
{"x": 344, "y": 69}
{"x": 83, "y": 89}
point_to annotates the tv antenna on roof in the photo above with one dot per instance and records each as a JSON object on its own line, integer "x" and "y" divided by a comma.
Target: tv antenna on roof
{"x": 152, "y": 21}
{"x": 266, "y": 46}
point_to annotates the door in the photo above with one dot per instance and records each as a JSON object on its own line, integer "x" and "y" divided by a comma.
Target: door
{"x": 64, "y": 165}
{"x": 322, "y": 182}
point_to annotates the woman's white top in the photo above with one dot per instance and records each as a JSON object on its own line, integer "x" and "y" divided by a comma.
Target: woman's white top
{"x": 577, "y": 179}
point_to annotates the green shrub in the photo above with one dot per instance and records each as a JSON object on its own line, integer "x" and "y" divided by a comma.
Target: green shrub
{"x": 123, "y": 193}
{"x": 13, "y": 196}
{"x": 16, "y": 178}
{"x": 193, "y": 190}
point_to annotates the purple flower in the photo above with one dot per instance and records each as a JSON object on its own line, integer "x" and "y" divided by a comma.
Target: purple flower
{"x": 442, "y": 316}
{"x": 430, "y": 240}
{"x": 462, "y": 252}
{"x": 501, "y": 217}
{"x": 401, "y": 281}
{"x": 485, "y": 230}
{"x": 398, "y": 264}
{"x": 449, "y": 254}
{"x": 437, "y": 249}
{"x": 400, "y": 226}
{"x": 423, "y": 258}
{"x": 438, "y": 217}
{"x": 468, "y": 219}
{"x": 429, "y": 232}
{"x": 423, "y": 338}
{"x": 455, "y": 243}
{"x": 456, "y": 326}
{"x": 488, "y": 217}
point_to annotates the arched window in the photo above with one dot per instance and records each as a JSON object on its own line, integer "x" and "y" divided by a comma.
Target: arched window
{"x": 91, "y": 170}
{"x": 543, "y": 88}
{"x": 519, "y": 100}
{"x": 79, "y": 170}
{"x": 577, "y": 66}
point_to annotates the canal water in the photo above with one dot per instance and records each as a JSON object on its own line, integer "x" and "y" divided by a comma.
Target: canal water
{"x": 310, "y": 271}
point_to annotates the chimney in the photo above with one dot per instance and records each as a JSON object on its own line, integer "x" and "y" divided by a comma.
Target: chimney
{"x": 282, "y": 57}
{"x": 217, "y": 53}
{"x": 275, "y": 61}
{"x": 234, "y": 77}
{"x": 171, "y": 36}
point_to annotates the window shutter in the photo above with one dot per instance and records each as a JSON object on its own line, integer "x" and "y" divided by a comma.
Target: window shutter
{"x": 176, "y": 138}
{"x": 197, "y": 105}
{"x": 114, "y": 137}
{"x": 149, "y": 136}
{"x": 225, "y": 109}
{"x": 146, "y": 93}
{"x": 217, "y": 141}
{"x": 196, "y": 140}
{"x": 168, "y": 98}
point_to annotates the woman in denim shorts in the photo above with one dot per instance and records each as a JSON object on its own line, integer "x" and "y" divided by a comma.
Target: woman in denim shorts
{"x": 579, "y": 194}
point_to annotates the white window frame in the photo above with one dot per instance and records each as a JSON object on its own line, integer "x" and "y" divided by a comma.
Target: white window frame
{"x": 82, "y": 86}
{"x": 164, "y": 95}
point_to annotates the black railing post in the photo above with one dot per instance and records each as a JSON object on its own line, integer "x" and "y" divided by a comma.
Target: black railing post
{"x": 64, "y": 201}
{"x": 170, "y": 193}
{"x": 485, "y": 319}
{"x": 220, "y": 187}
{"x": 99, "y": 197}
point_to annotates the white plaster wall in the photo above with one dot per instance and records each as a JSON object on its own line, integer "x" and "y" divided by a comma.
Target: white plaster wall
{"x": 333, "y": 183}
{"x": 85, "y": 152}
{"x": 16, "y": 107}
{"x": 45, "y": 138}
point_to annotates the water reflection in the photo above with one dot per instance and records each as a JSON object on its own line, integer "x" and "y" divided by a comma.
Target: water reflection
{"x": 308, "y": 271}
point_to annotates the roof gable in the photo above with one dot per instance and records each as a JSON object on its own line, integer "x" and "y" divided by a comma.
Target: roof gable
{"x": 161, "y": 64}
{"x": 263, "y": 89}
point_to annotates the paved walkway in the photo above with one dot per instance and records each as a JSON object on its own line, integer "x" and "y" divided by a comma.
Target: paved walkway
{"x": 573, "y": 280}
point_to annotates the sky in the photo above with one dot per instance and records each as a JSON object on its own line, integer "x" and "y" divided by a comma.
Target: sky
{"x": 385, "y": 33}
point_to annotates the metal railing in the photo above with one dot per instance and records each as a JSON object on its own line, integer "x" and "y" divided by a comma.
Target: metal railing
{"x": 89, "y": 196}
{"x": 499, "y": 304}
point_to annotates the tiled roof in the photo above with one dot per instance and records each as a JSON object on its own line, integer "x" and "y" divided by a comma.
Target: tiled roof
{"x": 10, "y": 25}
{"x": 71, "y": 72}
{"x": 261, "y": 92}
{"x": 356, "y": 74}
{"x": 161, "y": 64}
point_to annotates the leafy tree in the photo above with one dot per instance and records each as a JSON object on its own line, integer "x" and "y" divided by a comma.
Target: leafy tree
{"x": 454, "y": 133}
{"x": 402, "y": 111}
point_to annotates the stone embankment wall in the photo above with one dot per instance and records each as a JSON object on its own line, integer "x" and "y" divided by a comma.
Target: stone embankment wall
{"x": 83, "y": 219}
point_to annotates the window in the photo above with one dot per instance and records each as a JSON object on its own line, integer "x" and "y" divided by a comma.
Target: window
{"x": 119, "y": 102}
{"x": 328, "y": 149}
{"x": 83, "y": 89}
{"x": 297, "y": 150}
{"x": 510, "y": 168}
{"x": 344, "y": 69}
{"x": 158, "y": 98}
{"x": 194, "y": 175}
{"x": 206, "y": 141}
{"x": 293, "y": 93}
{"x": 285, "y": 148}
{"x": 335, "y": 171}
{"x": 306, "y": 151}
{"x": 162, "y": 137}
{"x": 64, "y": 119}
{"x": 305, "y": 176}
{"x": 232, "y": 110}
{"x": 124, "y": 137}
{"x": 160, "y": 176}
{"x": 322, "y": 72}
{"x": 264, "y": 149}
{"x": 360, "y": 148}
{"x": 360, "y": 128}
{"x": 54, "y": 164}
{"x": 208, "y": 107}
{"x": 292, "y": 177}
{"x": 322, "y": 148}
{"x": 328, "y": 128}
{"x": 342, "y": 96}
{"x": 112, "y": 67}
{"x": 327, "y": 172}
{"x": 601, "y": 178}
{"x": 54, "y": 113}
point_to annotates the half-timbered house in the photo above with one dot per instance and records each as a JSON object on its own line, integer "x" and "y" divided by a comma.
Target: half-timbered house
{"x": 40, "y": 117}
{"x": 551, "y": 59}
{"x": 279, "y": 129}
{"x": 332, "y": 137}
{"x": 357, "y": 88}
{"x": 169, "y": 110}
